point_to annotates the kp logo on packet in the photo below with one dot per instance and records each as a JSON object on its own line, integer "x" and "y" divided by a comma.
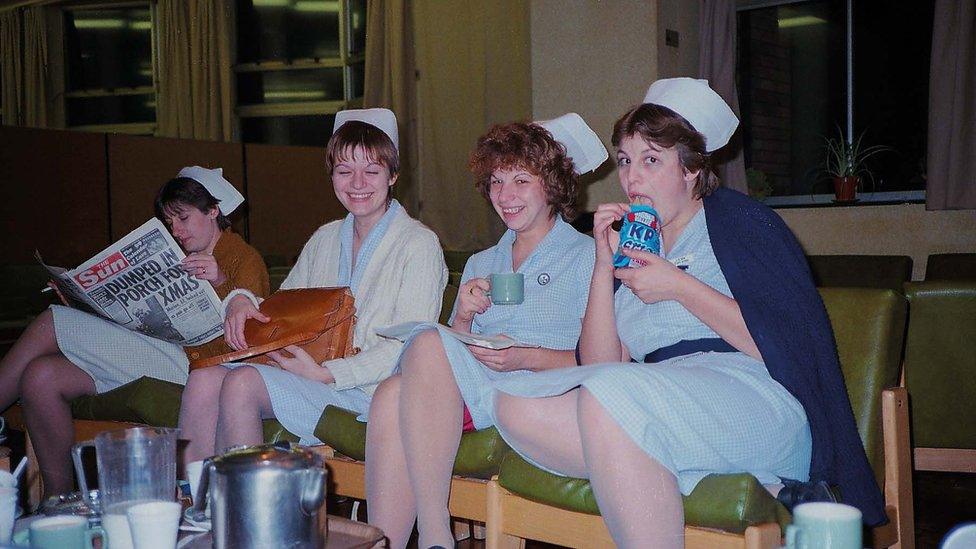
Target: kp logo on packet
{"x": 641, "y": 230}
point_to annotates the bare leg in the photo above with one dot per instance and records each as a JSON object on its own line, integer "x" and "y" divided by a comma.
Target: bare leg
{"x": 544, "y": 429}
{"x": 47, "y": 386}
{"x": 198, "y": 412}
{"x": 638, "y": 497}
{"x": 430, "y": 427}
{"x": 388, "y": 491}
{"x": 37, "y": 340}
{"x": 244, "y": 402}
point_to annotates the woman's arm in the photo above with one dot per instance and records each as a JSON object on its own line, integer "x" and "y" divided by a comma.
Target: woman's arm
{"x": 599, "y": 341}
{"x": 414, "y": 291}
{"x": 659, "y": 280}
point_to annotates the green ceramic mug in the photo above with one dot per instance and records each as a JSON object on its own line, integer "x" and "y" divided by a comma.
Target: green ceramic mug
{"x": 61, "y": 532}
{"x": 507, "y": 288}
{"x": 824, "y": 526}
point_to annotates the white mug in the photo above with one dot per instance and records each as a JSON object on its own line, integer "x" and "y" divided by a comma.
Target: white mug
{"x": 154, "y": 525}
{"x": 824, "y": 525}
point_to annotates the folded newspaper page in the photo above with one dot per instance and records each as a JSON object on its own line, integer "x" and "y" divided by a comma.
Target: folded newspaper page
{"x": 138, "y": 282}
{"x": 497, "y": 342}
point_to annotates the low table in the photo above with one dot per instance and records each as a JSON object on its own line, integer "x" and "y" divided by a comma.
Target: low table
{"x": 339, "y": 533}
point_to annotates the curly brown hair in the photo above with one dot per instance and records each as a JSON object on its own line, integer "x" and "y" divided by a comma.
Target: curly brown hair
{"x": 666, "y": 128}
{"x": 532, "y": 148}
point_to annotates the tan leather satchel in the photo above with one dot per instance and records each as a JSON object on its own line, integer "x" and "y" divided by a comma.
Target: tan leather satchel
{"x": 319, "y": 320}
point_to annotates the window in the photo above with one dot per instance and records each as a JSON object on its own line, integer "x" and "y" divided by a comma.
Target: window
{"x": 809, "y": 68}
{"x": 300, "y": 62}
{"x": 110, "y": 78}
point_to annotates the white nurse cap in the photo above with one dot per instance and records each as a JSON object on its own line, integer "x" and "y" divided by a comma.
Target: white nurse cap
{"x": 704, "y": 109}
{"x": 382, "y": 119}
{"x": 583, "y": 146}
{"x": 218, "y": 187}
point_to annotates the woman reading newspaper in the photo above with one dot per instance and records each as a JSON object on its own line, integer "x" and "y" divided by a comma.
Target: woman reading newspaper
{"x": 391, "y": 262}
{"x": 66, "y": 353}
{"x": 528, "y": 172}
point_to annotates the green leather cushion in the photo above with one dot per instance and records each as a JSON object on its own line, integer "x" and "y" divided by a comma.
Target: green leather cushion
{"x": 152, "y": 402}
{"x": 145, "y": 400}
{"x": 861, "y": 271}
{"x": 479, "y": 455}
{"x": 728, "y": 502}
{"x": 940, "y": 363}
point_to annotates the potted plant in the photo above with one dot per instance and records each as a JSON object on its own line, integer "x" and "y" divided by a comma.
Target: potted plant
{"x": 845, "y": 164}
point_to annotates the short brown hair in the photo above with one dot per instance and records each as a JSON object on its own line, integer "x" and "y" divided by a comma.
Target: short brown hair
{"x": 181, "y": 192}
{"x": 666, "y": 128}
{"x": 375, "y": 143}
{"x": 532, "y": 148}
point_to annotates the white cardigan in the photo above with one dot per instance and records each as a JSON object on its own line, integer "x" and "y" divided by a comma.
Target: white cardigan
{"x": 403, "y": 282}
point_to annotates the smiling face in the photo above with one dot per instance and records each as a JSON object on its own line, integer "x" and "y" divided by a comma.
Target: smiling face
{"x": 195, "y": 231}
{"x": 362, "y": 184}
{"x": 519, "y": 198}
{"x": 654, "y": 176}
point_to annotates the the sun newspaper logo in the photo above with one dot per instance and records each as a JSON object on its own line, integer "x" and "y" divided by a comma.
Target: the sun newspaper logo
{"x": 102, "y": 270}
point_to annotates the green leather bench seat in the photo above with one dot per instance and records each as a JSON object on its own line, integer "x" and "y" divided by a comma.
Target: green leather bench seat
{"x": 727, "y": 502}
{"x": 480, "y": 453}
{"x": 940, "y": 363}
{"x": 152, "y": 402}
{"x": 868, "y": 324}
{"x": 861, "y": 271}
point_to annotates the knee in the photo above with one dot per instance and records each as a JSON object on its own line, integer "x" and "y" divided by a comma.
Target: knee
{"x": 239, "y": 386}
{"x": 203, "y": 384}
{"x": 39, "y": 377}
{"x": 420, "y": 349}
{"x": 386, "y": 399}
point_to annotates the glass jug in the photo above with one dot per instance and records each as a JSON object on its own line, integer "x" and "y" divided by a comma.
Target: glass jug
{"x": 134, "y": 466}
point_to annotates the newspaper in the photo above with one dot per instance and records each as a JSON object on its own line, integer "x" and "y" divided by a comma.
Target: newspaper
{"x": 138, "y": 282}
{"x": 497, "y": 342}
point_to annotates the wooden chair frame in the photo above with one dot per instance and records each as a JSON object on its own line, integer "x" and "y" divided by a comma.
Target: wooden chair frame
{"x": 512, "y": 519}
{"x": 347, "y": 477}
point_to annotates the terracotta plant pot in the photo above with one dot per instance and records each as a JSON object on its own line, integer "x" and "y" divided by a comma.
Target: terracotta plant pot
{"x": 845, "y": 188}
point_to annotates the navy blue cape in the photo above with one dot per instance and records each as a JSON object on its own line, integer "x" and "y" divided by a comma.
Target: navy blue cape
{"x": 771, "y": 281}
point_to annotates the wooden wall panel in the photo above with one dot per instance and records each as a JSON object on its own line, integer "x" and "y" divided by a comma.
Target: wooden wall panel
{"x": 55, "y": 196}
{"x": 291, "y": 195}
{"x": 138, "y": 166}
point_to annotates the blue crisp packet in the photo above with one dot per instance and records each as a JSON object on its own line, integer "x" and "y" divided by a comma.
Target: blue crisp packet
{"x": 641, "y": 230}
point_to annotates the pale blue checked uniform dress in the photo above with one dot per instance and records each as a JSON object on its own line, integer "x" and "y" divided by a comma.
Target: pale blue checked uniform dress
{"x": 557, "y": 279}
{"x": 297, "y": 401}
{"x": 698, "y": 413}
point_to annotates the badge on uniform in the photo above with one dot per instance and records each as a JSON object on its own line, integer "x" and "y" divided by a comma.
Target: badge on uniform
{"x": 543, "y": 279}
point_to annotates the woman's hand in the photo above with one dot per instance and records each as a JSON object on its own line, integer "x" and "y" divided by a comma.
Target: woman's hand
{"x": 657, "y": 280}
{"x": 606, "y": 238}
{"x": 64, "y": 300}
{"x": 204, "y": 267}
{"x": 239, "y": 310}
{"x": 506, "y": 360}
{"x": 301, "y": 364}
{"x": 472, "y": 299}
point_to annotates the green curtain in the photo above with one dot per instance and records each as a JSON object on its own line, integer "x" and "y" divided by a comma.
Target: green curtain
{"x": 11, "y": 66}
{"x": 195, "y": 69}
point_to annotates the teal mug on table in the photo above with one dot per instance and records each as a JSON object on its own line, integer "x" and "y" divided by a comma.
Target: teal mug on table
{"x": 61, "y": 532}
{"x": 507, "y": 288}
{"x": 824, "y": 526}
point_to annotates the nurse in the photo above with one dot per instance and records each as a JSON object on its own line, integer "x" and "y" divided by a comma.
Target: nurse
{"x": 529, "y": 174}
{"x": 715, "y": 357}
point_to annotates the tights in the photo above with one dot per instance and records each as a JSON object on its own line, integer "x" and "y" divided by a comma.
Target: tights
{"x": 572, "y": 433}
{"x": 45, "y": 381}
